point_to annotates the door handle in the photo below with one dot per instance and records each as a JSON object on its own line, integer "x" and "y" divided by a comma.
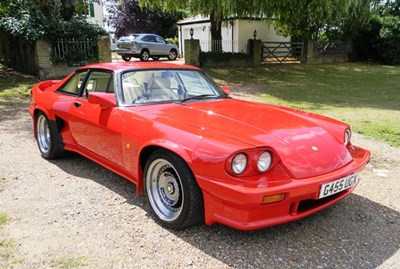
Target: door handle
{"x": 77, "y": 104}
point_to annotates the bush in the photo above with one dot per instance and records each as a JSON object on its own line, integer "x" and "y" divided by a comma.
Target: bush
{"x": 388, "y": 42}
{"x": 221, "y": 57}
{"x": 26, "y": 21}
{"x": 174, "y": 41}
{"x": 380, "y": 41}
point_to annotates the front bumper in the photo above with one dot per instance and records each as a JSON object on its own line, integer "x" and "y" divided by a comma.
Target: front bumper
{"x": 239, "y": 205}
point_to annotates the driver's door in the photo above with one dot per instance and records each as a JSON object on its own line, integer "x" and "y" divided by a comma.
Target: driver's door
{"x": 93, "y": 128}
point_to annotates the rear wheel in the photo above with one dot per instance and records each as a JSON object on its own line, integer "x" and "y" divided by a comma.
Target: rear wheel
{"x": 175, "y": 198}
{"x": 172, "y": 55}
{"x": 48, "y": 140}
{"x": 126, "y": 58}
{"x": 144, "y": 55}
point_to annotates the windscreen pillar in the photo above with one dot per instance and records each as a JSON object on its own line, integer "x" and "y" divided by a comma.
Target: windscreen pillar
{"x": 192, "y": 52}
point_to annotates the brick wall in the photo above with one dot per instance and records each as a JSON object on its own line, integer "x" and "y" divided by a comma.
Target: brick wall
{"x": 48, "y": 70}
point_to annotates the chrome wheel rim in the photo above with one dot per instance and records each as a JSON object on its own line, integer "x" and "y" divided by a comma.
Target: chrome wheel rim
{"x": 43, "y": 134}
{"x": 145, "y": 55}
{"x": 172, "y": 55}
{"x": 164, "y": 190}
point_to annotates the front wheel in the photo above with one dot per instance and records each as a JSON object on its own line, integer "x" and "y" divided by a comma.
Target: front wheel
{"x": 172, "y": 55}
{"x": 49, "y": 143}
{"x": 172, "y": 191}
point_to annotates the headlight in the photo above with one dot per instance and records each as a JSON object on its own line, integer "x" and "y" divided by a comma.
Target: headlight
{"x": 239, "y": 163}
{"x": 347, "y": 136}
{"x": 264, "y": 161}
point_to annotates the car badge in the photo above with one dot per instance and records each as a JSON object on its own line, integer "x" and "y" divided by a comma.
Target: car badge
{"x": 314, "y": 148}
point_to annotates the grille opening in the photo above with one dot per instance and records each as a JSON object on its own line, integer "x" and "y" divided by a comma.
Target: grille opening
{"x": 307, "y": 205}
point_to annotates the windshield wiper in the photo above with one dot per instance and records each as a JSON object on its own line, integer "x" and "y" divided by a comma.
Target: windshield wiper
{"x": 197, "y": 97}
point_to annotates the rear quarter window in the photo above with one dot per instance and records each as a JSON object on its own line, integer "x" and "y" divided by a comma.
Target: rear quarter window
{"x": 73, "y": 85}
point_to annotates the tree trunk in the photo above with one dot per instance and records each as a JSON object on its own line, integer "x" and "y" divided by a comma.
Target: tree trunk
{"x": 216, "y": 36}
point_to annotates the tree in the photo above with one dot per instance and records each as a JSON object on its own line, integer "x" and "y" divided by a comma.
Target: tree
{"x": 131, "y": 18}
{"x": 339, "y": 19}
{"x": 380, "y": 39}
{"x": 33, "y": 19}
{"x": 300, "y": 18}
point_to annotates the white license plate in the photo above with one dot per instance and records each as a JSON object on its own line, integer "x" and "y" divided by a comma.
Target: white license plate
{"x": 338, "y": 185}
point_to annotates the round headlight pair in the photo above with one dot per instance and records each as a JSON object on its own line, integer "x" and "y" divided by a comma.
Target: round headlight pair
{"x": 239, "y": 162}
{"x": 347, "y": 136}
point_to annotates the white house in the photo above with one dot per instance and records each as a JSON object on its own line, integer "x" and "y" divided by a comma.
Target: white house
{"x": 95, "y": 13}
{"x": 235, "y": 33}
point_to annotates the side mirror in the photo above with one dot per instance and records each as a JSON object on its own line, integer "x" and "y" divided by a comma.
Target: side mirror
{"x": 226, "y": 89}
{"x": 105, "y": 100}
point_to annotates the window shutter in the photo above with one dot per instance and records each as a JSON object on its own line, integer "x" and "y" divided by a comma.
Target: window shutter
{"x": 91, "y": 9}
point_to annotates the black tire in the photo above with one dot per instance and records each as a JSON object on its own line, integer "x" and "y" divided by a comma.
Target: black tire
{"x": 126, "y": 58}
{"x": 155, "y": 58}
{"x": 48, "y": 140}
{"x": 172, "y": 192}
{"x": 173, "y": 54}
{"x": 144, "y": 55}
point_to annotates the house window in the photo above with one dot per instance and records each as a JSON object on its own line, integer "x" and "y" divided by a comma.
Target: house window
{"x": 91, "y": 9}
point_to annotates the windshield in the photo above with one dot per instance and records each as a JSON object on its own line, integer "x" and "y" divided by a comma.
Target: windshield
{"x": 156, "y": 86}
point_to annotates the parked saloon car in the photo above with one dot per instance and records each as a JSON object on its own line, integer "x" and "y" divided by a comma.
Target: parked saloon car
{"x": 195, "y": 152}
{"x": 145, "y": 46}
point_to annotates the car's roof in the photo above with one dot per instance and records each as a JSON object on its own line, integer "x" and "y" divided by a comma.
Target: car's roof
{"x": 137, "y": 34}
{"x": 138, "y": 65}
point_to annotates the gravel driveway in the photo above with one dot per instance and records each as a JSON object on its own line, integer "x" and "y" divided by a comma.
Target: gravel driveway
{"x": 72, "y": 213}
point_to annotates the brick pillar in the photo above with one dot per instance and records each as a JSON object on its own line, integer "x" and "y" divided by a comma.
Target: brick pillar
{"x": 104, "y": 49}
{"x": 192, "y": 52}
{"x": 42, "y": 58}
{"x": 254, "y": 51}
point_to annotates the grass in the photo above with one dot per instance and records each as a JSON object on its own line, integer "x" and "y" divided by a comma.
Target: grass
{"x": 67, "y": 262}
{"x": 7, "y": 246}
{"x": 3, "y": 218}
{"x": 367, "y": 96}
{"x": 14, "y": 88}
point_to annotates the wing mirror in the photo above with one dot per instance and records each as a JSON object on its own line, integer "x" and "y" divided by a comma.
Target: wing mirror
{"x": 226, "y": 89}
{"x": 105, "y": 100}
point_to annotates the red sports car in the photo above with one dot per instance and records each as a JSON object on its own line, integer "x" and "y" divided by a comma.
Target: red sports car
{"x": 196, "y": 153}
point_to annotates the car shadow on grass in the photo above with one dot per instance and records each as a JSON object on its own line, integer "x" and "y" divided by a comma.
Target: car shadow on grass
{"x": 355, "y": 233}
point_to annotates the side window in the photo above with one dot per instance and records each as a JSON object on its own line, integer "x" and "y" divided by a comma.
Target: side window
{"x": 149, "y": 38}
{"x": 160, "y": 40}
{"x": 99, "y": 81}
{"x": 74, "y": 84}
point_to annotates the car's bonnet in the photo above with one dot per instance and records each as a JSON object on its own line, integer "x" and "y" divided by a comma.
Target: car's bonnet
{"x": 306, "y": 148}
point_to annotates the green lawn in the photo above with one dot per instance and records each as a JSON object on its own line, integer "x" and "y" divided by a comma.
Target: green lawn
{"x": 14, "y": 88}
{"x": 367, "y": 96}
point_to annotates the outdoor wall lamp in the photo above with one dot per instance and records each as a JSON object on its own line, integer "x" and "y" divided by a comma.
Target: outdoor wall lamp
{"x": 255, "y": 34}
{"x": 191, "y": 33}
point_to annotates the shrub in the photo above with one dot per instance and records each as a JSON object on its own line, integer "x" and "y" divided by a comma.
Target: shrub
{"x": 221, "y": 57}
{"x": 174, "y": 41}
